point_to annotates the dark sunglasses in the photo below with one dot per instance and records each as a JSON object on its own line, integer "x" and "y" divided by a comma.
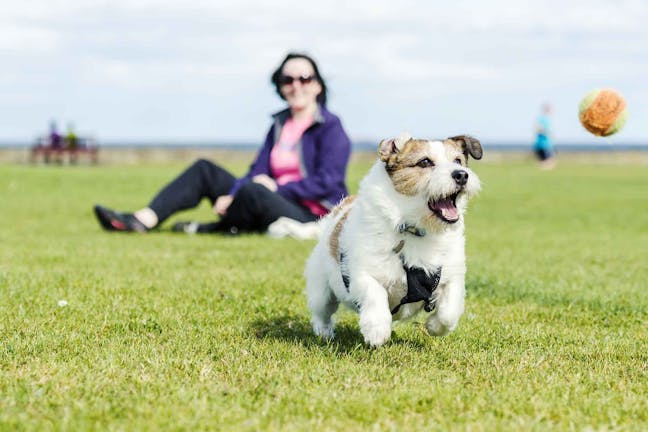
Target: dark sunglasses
{"x": 288, "y": 80}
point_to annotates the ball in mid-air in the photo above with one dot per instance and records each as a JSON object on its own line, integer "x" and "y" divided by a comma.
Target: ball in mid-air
{"x": 603, "y": 112}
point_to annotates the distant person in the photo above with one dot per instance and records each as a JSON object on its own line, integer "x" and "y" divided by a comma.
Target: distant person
{"x": 55, "y": 139}
{"x": 71, "y": 138}
{"x": 72, "y": 143}
{"x": 299, "y": 173}
{"x": 543, "y": 146}
{"x": 55, "y": 144}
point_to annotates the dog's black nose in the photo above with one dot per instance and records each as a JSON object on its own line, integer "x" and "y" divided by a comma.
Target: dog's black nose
{"x": 460, "y": 177}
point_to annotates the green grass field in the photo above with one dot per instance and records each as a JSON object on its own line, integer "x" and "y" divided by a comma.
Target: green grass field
{"x": 168, "y": 331}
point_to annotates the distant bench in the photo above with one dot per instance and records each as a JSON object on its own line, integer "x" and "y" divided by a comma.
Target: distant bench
{"x": 71, "y": 154}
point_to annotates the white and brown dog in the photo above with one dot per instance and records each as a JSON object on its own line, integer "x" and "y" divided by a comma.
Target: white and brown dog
{"x": 398, "y": 246}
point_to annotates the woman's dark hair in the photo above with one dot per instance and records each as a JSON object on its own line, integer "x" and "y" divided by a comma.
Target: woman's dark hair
{"x": 276, "y": 76}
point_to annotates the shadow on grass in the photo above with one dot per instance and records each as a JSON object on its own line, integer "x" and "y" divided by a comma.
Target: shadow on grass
{"x": 297, "y": 330}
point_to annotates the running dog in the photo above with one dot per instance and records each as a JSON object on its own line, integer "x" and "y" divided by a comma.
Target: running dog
{"x": 397, "y": 247}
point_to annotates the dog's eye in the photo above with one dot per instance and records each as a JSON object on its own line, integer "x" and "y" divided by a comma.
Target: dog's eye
{"x": 458, "y": 160}
{"x": 425, "y": 163}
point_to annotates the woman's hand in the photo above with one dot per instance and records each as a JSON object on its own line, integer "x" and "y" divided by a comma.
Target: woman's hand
{"x": 266, "y": 181}
{"x": 222, "y": 204}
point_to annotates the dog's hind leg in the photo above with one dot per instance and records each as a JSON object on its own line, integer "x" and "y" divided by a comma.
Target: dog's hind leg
{"x": 323, "y": 304}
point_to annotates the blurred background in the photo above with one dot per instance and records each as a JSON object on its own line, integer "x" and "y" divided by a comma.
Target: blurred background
{"x": 198, "y": 72}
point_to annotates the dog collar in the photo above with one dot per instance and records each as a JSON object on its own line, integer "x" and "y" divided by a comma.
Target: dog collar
{"x": 411, "y": 229}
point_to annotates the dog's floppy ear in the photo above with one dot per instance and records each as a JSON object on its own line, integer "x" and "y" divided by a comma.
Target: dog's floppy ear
{"x": 388, "y": 147}
{"x": 471, "y": 145}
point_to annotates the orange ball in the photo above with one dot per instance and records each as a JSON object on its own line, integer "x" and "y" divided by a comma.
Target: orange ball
{"x": 603, "y": 112}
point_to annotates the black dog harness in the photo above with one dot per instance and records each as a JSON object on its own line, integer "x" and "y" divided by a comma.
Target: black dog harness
{"x": 420, "y": 284}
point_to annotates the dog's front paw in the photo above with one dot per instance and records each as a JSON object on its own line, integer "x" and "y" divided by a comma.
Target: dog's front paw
{"x": 376, "y": 336}
{"x": 376, "y": 331}
{"x": 324, "y": 330}
{"x": 439, "y": 327}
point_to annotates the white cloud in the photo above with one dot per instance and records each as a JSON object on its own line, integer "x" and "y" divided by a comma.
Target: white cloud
{"x": 27, "y": 40}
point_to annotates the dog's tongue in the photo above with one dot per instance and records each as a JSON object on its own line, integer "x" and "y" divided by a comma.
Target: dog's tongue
{"x": 447, "y": 209}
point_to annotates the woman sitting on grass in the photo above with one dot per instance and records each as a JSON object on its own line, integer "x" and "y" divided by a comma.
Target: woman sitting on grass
{"x": 298, "y": 173}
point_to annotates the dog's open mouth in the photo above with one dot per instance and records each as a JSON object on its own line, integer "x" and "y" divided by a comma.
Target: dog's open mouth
{"x": 445, "y": 208}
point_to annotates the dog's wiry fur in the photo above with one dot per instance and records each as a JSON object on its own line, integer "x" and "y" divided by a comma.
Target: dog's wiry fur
{"x": 421, "y": 184}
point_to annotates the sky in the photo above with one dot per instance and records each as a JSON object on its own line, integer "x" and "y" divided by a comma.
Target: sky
{"x": 199, "y": 70}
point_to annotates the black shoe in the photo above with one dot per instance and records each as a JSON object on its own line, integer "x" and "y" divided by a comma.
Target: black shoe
{"x": 114, "y": 221}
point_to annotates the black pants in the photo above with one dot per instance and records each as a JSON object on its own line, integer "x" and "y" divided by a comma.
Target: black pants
{"x": 253, "y": 208}
{"x": 543, "y": 154}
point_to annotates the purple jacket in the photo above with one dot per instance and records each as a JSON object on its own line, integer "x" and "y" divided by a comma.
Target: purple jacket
{"x": 324, "y": 153}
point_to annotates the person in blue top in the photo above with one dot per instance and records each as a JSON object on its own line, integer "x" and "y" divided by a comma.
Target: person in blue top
{"x": 543, "y": 146}
{"x": 298, "y": 174}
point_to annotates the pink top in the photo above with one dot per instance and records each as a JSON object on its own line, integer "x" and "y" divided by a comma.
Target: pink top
{"x": 284, "y": 159}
